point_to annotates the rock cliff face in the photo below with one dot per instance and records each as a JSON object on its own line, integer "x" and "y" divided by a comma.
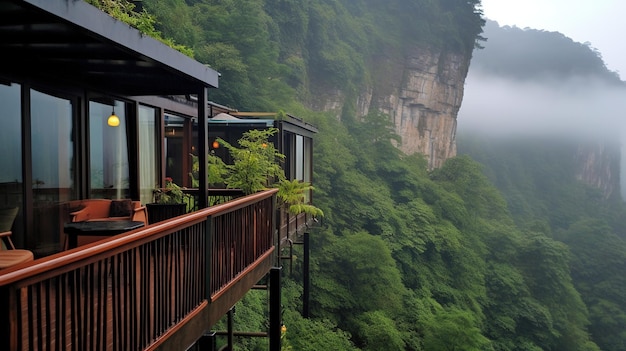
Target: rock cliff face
{"x": 421, "y": 93}
{"x": 598, "y": 165}
{"x": 424, "y": 103}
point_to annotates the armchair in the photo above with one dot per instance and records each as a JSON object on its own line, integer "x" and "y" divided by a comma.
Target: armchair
{"x": 104, "y": 209}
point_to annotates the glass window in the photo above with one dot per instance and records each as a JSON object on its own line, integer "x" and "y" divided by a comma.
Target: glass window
{"x": 11, "y": 180}
{"x": 148, "y": 153}
{"x": 308, "y": 163}
{"x": 10, "y": 135}
{"x": 108, "y": 152}
{"x": 175, "y": 149}
{"x": 308, "y": 159}
{"x": 52, "y": 167}
{"x": 299, "y": 157}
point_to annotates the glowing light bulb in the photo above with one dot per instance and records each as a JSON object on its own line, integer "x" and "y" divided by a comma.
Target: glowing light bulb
{"x": 113, "y": 120}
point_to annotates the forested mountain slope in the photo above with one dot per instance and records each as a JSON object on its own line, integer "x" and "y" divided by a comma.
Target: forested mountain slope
{"x": 405, "y": 258}
{"x": 548, "y": 137}
{"x": 531, "y": 54}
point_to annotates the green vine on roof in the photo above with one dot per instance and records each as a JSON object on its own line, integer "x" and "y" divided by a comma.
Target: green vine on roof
{"x": 124, "y": 11}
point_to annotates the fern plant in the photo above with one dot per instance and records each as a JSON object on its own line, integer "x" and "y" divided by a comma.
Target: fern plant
{"x": 292, "y": 195}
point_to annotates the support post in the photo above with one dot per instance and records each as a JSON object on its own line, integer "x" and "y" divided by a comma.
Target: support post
{"x": 203, "y": 149}
{"x": 207, "y": 342}
{"x": 276, "y": 322}
{"x": 230, "y": 329}
{"x": 305, "y": 277}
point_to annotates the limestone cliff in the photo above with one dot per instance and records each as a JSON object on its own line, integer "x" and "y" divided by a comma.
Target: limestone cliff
{"x": 422, "y": 94}
{"x": 424, "y": 103}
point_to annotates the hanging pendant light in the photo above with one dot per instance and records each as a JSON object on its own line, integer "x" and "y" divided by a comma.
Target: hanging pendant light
{"x": 113, "y": 120}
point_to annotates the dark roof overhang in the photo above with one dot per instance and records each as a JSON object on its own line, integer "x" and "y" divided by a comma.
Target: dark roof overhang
{"x": 72, "y": 42}
{"x": 289, "y": 122}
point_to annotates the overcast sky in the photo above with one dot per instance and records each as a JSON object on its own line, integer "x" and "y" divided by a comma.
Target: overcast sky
{"x": 599, "y": 22}
{"x": 501, "y": 105}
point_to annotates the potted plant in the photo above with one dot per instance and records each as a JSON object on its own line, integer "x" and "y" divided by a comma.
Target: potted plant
{"x": 169, "y": 202}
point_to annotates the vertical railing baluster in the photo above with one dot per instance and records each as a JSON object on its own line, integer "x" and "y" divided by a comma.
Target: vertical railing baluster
{"x": 88, "y": 307}
{"x": 17, "y": 299}
{"x": 99, "y": 304}
{"x": 210, "y": 256}
{"x": 47, "y": 309}
{"x": 58, "y": 305}
{"x": 145, "y": 274}
{"x": 133, "y": 288}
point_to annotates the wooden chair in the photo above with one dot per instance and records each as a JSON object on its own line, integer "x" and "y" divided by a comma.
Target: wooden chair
{"x": 9, "y": 255}
{"x": 12, "y": 256}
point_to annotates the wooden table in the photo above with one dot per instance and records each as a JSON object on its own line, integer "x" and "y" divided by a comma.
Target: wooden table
{"x": 98, "y": 228}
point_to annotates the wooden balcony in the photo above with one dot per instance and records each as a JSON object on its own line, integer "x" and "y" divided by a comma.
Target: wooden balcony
{"x": 159, "y": 287}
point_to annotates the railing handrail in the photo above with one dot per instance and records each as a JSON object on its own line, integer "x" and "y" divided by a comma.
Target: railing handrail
{"x": 68, "y": 260}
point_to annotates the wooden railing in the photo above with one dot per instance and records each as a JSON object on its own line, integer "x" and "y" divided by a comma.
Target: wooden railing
{"x": 246, "y": 228}
{"x": 130, "y": 292}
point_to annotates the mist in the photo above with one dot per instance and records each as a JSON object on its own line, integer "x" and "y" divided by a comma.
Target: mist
{"x": 579, "y": 107}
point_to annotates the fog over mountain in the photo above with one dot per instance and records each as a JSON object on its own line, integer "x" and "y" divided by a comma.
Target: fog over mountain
{"x": 583, "y": 107}
{"x": 529, "y": 82}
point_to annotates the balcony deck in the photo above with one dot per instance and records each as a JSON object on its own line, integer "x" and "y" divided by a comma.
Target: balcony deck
{"x": 152, "y": 288}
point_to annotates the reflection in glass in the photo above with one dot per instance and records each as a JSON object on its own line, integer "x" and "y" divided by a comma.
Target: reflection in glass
{"x": 308, "y": 162}
{"x": 108, "y": 152}
{"x": 148, "y": 162}
{"x": 10, "y": 134}
{"x": 11, "y": 180}
{"x": 174, "y": 149}
{"x": 52, "y": 164}
{"x": 299, "y": 157}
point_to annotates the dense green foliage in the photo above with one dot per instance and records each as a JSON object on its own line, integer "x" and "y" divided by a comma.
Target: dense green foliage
{"x": 271, "y": 53}
{"x": 537, "y": 178}
{"x": 145, "y": 22}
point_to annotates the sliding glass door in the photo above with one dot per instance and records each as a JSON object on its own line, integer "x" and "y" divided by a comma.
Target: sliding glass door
{"x": 53, "y": 164}
{"x": 11, "y": 178}
{"x": 148, "y": 153}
